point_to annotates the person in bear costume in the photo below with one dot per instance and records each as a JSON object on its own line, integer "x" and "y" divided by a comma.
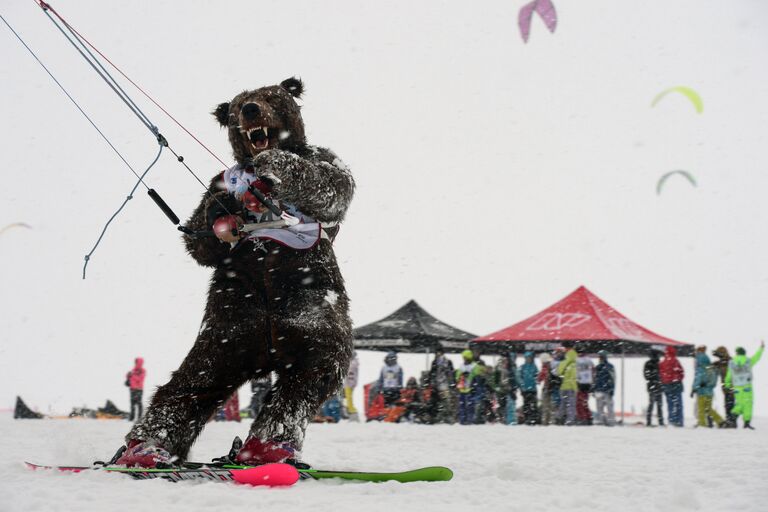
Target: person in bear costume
{"x": 271, "y": 307}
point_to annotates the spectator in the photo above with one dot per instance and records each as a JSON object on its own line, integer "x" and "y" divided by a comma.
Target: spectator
{"x": 330, "y": 411}
{"x": 653, "y": 385}
{"x": 739, "y": 377}
{"x": 482, "y": 397}
{"x": 526, "y": 376}
{"x": 567, "y": 370}
{"x": 555, "y": 381}
{"x": 259, "y": 389}
{"x": 514, "y": 387}
{"x": 545, "y": 378}
{"x": 390, "y": 381}
{"x": 605, "y": 384}
{"x": 465, "y": 374}
{"x": 704, "y": 382}
{"x": 723, "y": 358}
{"x": 672, "y": 373}
{"x": 504, "y": 383}
{"x": 585, "y": 377}
{"x": 134, "y": 379}
{"x": 443, "y": 383}
{"x": 413, "y": 401}
{"x": 350, "y": 382}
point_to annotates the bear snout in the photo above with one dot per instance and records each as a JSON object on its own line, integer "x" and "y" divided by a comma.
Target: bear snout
{"x": 250, "y": 111}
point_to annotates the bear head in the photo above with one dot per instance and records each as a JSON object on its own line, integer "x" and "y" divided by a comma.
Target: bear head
{"x": 262, "y": 119}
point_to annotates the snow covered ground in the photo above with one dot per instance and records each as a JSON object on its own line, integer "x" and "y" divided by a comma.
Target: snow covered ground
{"x": 496, "y": 468}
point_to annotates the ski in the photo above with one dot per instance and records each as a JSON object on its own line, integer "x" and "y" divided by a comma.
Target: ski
{"x": 271, "y": 475}
{"x": 268, "y": 474}
{"x": 427, "y": 474}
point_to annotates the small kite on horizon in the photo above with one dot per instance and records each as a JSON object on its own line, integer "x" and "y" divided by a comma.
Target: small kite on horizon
{"x": 664, "y": 177}
{"x": 544, "y": 8}
{"x": 15, "y": 225}
{"x": 689, "y": 93}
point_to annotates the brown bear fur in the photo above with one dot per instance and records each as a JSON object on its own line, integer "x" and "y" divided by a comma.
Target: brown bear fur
{"x": 270, "y": 309}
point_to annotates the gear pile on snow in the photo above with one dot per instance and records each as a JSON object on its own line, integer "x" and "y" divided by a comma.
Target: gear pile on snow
{"x": 22, "y": 412}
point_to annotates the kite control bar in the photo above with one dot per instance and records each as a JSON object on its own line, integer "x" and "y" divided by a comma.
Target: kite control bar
{"x": 284, "y": 222}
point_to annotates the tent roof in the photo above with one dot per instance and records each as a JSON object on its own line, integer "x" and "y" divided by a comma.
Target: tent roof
{"x": 410, "y": 328}
{"x": 581, "y": 316}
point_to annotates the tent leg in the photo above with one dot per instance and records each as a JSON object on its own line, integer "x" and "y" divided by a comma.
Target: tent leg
{"x": 426, "y": 359}
{"x": 622, "y": 386}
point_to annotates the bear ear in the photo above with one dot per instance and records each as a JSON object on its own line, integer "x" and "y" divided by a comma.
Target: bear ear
{"x": 222, "y": 114}
{"x": 294, "y": 86}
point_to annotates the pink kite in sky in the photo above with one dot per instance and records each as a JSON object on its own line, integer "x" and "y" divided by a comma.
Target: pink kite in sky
{"x": 546, "y": 11}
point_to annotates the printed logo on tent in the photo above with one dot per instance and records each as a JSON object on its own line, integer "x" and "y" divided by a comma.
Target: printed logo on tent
{"x": 556, "y": 321}
{"x": 624, "y": 328}
{"x": 545, "y": 347}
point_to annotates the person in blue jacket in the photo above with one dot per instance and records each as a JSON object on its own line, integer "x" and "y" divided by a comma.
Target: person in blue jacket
{"x": 526, "y": 377}
{"x": 704, "y": 382}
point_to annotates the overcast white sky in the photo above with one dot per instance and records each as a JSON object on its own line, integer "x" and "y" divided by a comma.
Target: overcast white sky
{"x": 494, "y": 176}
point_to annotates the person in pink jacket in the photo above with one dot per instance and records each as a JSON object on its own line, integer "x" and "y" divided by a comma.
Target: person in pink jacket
{"x": 135, "y": 382}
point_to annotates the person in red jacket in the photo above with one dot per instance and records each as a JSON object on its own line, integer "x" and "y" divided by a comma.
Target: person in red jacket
{"x": 671, "y": 373}
{"x": 135, "y": 382}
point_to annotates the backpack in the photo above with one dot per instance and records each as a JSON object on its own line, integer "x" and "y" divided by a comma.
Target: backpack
{"x": 710, "y": 377}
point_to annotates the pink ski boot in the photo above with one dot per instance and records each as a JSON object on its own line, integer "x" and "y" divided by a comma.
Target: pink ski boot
{"x": 257, "y": 451}
{"x": 144, "y": 454}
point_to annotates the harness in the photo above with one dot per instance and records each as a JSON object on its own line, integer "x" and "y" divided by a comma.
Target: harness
{"x": 292, "y": 228}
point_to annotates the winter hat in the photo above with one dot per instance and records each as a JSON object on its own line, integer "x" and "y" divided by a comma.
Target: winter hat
{"x": 545, "y": 358}
{"x": 740, "y": 351}
{"x": 528, "y": 355}
{"x": 603, "y": 353}
{"x": 467, "y": 354}
{"x": 391, "y": 357}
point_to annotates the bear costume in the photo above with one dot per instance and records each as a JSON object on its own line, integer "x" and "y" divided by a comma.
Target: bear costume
{"x": 271, "y": 307}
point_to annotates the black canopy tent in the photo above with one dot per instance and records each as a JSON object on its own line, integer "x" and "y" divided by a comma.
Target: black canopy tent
{"x": 411, "y": 329}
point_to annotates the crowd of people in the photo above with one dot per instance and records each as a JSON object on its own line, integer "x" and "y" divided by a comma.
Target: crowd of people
{"x": 557, "y": 390}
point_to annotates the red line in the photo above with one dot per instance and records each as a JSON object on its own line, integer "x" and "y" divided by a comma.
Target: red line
{"x": 47, "y": 6}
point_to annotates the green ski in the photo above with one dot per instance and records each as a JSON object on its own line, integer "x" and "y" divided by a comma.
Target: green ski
{"x": 428, "y": 474}
{"x": 252, "y": 474}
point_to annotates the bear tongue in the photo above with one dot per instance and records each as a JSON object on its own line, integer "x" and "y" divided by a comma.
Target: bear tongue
{"x": 262, "y": 144}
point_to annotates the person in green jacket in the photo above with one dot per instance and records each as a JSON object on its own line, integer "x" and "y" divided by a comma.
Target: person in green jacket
{"x": 567, "y": 370}
{"x": 739, "y": 378}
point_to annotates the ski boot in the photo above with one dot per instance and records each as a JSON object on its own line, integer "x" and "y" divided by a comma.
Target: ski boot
{"x": 256, "y": 452}
{"x": 747, "y": 425}
{"x": 143, "y": 454}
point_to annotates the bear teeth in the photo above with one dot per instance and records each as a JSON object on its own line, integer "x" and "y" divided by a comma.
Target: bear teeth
{"x": 265, "y": 129}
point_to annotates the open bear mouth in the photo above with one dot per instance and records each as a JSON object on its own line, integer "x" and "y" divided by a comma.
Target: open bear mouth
{"x": 259, "y": 137}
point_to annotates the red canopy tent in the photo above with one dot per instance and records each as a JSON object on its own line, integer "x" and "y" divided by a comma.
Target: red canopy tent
{"x": 584, "y": 320}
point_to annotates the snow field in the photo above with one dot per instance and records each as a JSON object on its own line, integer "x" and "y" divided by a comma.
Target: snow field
{"x": 496, "y": 467}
